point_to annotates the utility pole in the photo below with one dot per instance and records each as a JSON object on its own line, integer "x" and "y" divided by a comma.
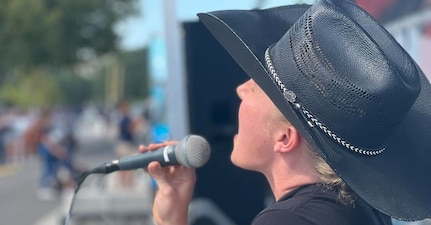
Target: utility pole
{"x": 176, "y": 92}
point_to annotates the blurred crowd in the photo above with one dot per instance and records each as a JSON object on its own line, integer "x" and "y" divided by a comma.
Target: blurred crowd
{"x": 52, "y": 136}
{"x": 20, "y": 130}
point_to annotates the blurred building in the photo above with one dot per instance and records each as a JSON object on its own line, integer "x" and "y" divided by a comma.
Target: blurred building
{"x": 388, "y": 10}
{"x": 409, "y": 22}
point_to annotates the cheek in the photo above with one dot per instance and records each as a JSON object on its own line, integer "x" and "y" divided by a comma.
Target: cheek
{"x": 245, "y": 132}
{"x": 251, "y": 143}
{"x": 249, "y": 118}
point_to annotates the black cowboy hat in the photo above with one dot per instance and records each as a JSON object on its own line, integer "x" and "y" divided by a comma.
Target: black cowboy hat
{"x": 349, "y": 88}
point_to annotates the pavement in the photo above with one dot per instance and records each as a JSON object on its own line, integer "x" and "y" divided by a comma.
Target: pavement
{"x": 20, "y": 204}
{"x": 18, "y": 185}
{"x": 100, "y": 200}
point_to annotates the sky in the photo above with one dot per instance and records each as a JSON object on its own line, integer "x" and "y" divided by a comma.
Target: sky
{"x": 137, "y": 31}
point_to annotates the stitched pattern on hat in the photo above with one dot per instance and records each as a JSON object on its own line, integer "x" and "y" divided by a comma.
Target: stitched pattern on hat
{"x": 311, "y": 62}
{"x": 290, "y": 96}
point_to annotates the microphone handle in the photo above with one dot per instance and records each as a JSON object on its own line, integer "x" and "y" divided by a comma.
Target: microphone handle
{"x": 165, "y": 156}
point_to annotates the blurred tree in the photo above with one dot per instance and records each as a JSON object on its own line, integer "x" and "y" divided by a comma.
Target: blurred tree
{"x": 136, "y": 74}
{"x": 40, "y": 32}
{"x": 39, "y": 35}
{"x": 76, "y": 90}
{"x": 36, "y": 89}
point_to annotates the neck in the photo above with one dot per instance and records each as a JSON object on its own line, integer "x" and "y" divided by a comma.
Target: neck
{"x": 281, "y": 188}
{"x": 285, "y": 176}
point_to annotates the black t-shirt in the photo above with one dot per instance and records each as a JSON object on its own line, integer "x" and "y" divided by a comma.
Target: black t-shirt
{"x": 316, "y": 205}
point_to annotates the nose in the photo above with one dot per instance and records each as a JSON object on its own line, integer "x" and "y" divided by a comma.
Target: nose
{"x": 242, "y": 89}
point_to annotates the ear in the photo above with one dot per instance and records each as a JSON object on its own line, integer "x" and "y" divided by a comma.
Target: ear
{"x": 287, "y": 139}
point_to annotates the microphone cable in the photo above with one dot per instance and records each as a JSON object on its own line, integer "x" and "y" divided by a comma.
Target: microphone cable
{"x": 79, "y": 181}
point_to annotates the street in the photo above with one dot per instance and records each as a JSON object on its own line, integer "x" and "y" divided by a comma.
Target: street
{"x": 19, "y": 202}
{"x": 19, "y": 184}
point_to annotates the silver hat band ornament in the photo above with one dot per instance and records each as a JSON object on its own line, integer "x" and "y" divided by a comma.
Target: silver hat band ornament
{"x": 290, "y": 96}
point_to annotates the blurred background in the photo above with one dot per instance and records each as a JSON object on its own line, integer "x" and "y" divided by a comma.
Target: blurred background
{"x": 83, "y": 82}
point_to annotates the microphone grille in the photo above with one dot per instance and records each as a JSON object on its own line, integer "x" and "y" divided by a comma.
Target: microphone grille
{"x": 193, "y": 151}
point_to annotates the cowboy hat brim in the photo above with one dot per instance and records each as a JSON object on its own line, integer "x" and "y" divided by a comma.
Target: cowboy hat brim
{"x": 396, "y": 182}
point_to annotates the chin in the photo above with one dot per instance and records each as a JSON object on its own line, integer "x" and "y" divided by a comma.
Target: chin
{"x": 238, "y": 163}
{"x": 234, "y": 160}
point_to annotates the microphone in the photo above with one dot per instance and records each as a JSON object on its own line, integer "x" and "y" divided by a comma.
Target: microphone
{"x": 192, "y": 151}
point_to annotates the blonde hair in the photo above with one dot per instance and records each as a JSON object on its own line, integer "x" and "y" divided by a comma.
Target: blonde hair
{"x": 328, "y": 177}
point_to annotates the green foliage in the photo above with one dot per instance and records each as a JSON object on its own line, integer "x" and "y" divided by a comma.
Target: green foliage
{"x": 42, "y": 40}
{"x": 75, "y": 89}
{"x": 40, "y": 32}
{"x": 36, "y": 89}
{"x": 45, "y": 87}
{"x": 136, "y": 74}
